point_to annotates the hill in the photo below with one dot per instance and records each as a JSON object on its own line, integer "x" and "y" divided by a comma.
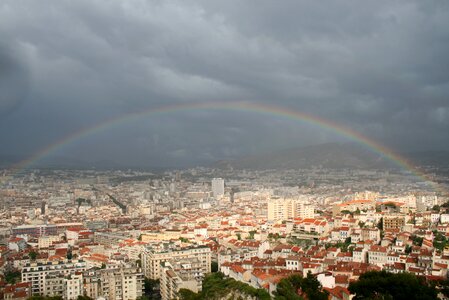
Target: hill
{"x": 330, "y": 155}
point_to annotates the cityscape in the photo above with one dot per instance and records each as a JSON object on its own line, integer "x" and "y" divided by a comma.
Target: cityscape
{"x": 224, "y": 150}
{"x": 109, "y": 234}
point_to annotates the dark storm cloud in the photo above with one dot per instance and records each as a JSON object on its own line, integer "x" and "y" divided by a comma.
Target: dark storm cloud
{"x": 376, "y": 66}
{"x": 13, "y": 82}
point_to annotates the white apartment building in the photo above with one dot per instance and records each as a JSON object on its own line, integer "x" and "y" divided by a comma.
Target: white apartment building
{"x": 37, "y": 272}
{"x": 47, "y": 240}
{"x": 176, "y": 275}
{"x": 377, "y": 255}
{"x": 152, "y": 259}
{"x": 217, "y": 187}
{"x": 124, "y": 283}
{"x": 73, "y": 286}
{"x": 280, "y": 209}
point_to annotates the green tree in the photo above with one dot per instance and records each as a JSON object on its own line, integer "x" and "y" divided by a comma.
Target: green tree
{"x": 32, "y": 255}
{"x": 151, "y": 288}
{"x": 380, "y": 225}
{"x": 216, "y": 285}
{"x": 12, "y": 277}
{"x": 251, "y": 234}
{"x": 186, "y": 294}
{"x": 214, "y": 266}
{"x": 436, "y": 208}
{"x": 384, "y": 285}
{"x": 297, "y": 288}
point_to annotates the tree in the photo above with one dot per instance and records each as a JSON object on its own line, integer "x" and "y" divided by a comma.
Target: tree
{"x": 12, "y": 277}
{"x": 151, "y": 288}
{"x": 186, "y": 294}
{"x": 214, "y": 266}
{"x": 297, "y": 288}
{"x": 251, "y": 234}
{"x": 32, "y": 255}
{"x": 384, "y": 285}
{"x": 239, "y": 236}
{"x": 380, "y": 225}
{"x": 217, "y": 286}
{"x": 436, "y": 208}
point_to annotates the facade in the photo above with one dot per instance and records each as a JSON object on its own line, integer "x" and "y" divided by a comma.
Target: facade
{"x": 393, "y": 222}
{"x": 152, "y": 259}
{"x": 217, "y": 187}
{"x": 176, "y": 275}
{"x": 36, "y": 273}
{"x": 35, "y": 230}
{"x": 124, "y": 283}
{"x": 284, "y": 209}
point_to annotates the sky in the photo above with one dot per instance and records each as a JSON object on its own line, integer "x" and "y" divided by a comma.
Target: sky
{"x": 378, "y": 67}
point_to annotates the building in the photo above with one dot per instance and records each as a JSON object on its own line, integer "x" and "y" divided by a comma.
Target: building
{"x": 176, "y": 275}
{"x": 36, "y": 273}
{"x": 284, "y": 209}
{"x": 47, "y": 240}
{"x": 35, "y": 230}
{"x": 152, "y": 259}
{"x": 18, "y": 291}
{"x": 393, "y": 222}
{"x": 125, "y": 283}
{"x": 108, "y": 238}
{"x": 217, "y": 187}
{"x": 73, "y": 286}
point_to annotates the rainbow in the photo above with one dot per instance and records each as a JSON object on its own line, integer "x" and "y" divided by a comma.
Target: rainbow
{"x": 231, "y": 106}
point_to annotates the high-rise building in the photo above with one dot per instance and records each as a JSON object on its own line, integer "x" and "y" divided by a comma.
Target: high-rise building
{"x": 217, "y": 187}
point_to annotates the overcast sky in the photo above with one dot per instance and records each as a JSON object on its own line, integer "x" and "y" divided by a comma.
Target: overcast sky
{"x": 379, "y": 67}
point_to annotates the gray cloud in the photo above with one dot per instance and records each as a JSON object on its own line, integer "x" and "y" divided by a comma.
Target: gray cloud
{"x": 378, "y": 67}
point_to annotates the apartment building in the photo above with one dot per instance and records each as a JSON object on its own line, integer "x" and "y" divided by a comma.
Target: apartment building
{"x": 280, "y": 209}
{"x": 152, "y": 258}
{"x": 393, "y": 222}
{"x": 36, "y": 273}
{"x": 176, "y": 275}
{"x": 121, "y": 283}
{"x": 377, "y": 255}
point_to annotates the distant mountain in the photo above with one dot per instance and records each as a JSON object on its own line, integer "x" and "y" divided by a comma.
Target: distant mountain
{"x": 330, "y": 155}
{"x": 430, "y": 158}
{"x": 59, "y": 162}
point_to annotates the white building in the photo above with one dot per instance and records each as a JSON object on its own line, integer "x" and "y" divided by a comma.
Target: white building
{"x": 217, "y": 187}
{"x": 152, "y": 259}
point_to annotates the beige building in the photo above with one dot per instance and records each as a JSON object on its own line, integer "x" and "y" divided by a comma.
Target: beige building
{"x": 47, "y": 240}
{"x": 393, "y": 222}
{"x": 280, "y": 209}
{"x": 176, "y": 275}
{"x": 73, "y": 286}
{"x": 124, "y": 283}
{"x": 152, "y": 259}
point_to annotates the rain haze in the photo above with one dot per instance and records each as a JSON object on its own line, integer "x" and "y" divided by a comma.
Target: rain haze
{"x": 377, "y": 67}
